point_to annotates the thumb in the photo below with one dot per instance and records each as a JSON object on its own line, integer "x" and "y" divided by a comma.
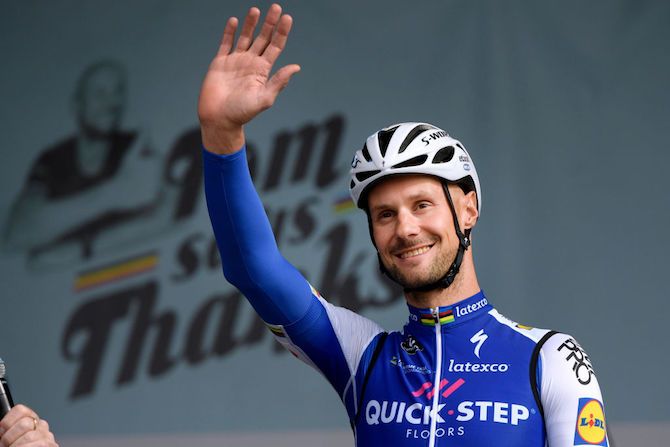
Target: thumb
{"x": 280, "y": 79}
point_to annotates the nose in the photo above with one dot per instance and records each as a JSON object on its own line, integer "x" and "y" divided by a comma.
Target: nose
{"x": 407, "y": 224}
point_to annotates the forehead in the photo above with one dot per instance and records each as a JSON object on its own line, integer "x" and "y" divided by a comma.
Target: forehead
{"x": 403, "y": 187}
{"x": 104, "y": 76}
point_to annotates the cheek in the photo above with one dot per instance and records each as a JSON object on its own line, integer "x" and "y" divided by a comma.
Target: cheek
{"x": 441, "y": 227}
{"x": 380, "y": 237}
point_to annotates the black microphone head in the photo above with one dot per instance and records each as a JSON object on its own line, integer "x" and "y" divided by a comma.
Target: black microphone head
{"x": 3, "y": 370}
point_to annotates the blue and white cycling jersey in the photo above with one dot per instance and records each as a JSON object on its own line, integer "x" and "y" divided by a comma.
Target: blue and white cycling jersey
{"x": 460, "y": 375}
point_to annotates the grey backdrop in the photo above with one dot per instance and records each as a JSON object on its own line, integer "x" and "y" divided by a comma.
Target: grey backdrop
{"x": 563, "y": 106}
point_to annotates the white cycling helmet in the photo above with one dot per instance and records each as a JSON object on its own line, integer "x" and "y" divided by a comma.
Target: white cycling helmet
{"x": 411, "y": 148}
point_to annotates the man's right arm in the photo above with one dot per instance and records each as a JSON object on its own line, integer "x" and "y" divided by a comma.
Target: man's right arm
{"x": 249, "y": 254}
{"x": 236, "y": 89}
{"x": 329, "y": 338}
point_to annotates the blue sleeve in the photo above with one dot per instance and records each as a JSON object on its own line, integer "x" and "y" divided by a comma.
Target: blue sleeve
{"x": 249, "y": 254}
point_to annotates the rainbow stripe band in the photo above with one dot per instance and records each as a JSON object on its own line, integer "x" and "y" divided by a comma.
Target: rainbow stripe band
{"x": 116, "y": 272}
{"x": 445, "y": 317}
{"x": 276, "y": 330}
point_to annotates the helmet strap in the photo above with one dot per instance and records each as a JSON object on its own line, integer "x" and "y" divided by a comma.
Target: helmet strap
{"x": 463, "y": 244}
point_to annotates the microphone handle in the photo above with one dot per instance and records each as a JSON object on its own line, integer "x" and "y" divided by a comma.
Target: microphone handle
{"x": 6, "y": 402}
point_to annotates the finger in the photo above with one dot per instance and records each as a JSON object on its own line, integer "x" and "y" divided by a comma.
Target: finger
{"x": 263, "y": 39}
{"x": 15, "y": 414}
{"x": 42, "y": 425}
{"x": 228, "y": 36}
{"x": 280, "y": 80}
{"x": 37, "y": 438}
{"x": 244, "y": 41}
{"x": 279, "y": 39}
{"x": 19, "y": 429}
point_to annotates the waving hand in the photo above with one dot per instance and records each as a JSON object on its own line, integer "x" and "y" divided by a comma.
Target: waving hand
{"x": 238, "y": 85}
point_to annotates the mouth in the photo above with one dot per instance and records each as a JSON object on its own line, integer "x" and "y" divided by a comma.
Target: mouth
{"x": 414, "y": 252}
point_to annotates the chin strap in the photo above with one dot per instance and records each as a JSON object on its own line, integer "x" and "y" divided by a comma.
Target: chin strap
{"x": 448, "y": 278}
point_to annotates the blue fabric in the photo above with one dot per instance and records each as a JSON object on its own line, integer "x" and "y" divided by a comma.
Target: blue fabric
{"x": 244, "y": 236}
{"x": 477, "y": 362}
{"x": 483, "y": 401}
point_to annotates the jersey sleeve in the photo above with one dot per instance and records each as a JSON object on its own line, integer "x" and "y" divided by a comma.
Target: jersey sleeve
{"x": 250, "y": 258}
{"x": 329, "y": 338}
{"x": 571, "y": 398}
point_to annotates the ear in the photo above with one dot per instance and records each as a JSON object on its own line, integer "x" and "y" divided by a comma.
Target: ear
{"x": 468, "y": 210}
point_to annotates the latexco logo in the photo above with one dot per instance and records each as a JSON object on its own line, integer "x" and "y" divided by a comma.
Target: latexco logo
{"x": 477, "y": 367}
{"x": 478, "y": 340}
{"x": 581, "y": 364}
{"x": 462, "y": 311}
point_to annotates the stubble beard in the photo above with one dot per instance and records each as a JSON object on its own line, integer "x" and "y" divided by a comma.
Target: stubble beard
{"x": 412, "y": 279}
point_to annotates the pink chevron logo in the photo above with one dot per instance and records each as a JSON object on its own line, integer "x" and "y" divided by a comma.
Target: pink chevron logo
{"x": 428, "y": 389}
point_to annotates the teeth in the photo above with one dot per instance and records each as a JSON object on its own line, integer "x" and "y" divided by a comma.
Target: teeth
{"x": 416, "y": 252}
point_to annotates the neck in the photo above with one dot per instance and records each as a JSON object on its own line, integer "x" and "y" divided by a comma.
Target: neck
{"x": 464, "y": 286}
{"x": 92, "y": 153}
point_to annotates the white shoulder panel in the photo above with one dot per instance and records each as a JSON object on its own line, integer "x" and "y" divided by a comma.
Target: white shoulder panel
{"x": 570, "y": 394}
{"x": 353, "y": 331}
{"x": 533, "y": 333}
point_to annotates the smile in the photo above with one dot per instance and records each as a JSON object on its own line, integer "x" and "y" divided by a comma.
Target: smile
{"x": 415, "y": 252}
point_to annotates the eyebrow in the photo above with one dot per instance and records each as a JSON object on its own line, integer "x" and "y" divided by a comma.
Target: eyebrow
{"x": 414, "y": 197}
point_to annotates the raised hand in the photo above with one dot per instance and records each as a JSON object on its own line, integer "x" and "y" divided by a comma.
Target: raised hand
{"x": 238, "y": 85}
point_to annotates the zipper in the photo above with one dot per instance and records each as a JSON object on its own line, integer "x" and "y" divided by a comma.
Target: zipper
{"x": 438, "y": 373}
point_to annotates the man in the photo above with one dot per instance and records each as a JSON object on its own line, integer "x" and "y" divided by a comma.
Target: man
{"x": 82, "y": 193}
{"x": 459, "y": 373}
{"x": 22, "y": 426}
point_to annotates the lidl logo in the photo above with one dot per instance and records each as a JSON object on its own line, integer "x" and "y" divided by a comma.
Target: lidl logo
{"x": 590, "y": 429}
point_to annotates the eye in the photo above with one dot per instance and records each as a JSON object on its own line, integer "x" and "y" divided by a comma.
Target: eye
{"x": 384, "y": 214}
{"x": 423, "y": 205}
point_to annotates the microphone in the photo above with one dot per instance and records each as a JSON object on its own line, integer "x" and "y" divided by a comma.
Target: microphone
{"x": 6, "y": 402}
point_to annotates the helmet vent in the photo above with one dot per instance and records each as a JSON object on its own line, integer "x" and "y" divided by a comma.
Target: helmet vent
{"x": 412, "y": 135}
{"x": 363, "y": 176}
{"x": 384, "y": 137}
{"x": 366, "y": 152}
{"x": 444, "y": 155}
{"x": 416, "y": 161}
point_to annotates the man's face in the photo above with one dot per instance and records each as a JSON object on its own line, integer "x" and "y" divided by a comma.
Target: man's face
{"x": 101, "y": 100}
{"x": 413, "y": 228}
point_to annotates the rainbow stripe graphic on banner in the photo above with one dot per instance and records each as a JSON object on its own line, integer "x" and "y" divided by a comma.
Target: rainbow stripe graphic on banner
{"x": 445, "y": 317}
{"x": 116, "y": 271}
{"x": 343, "y": 205}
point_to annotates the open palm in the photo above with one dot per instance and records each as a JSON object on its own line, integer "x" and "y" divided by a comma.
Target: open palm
{"x": 238, "y": 85}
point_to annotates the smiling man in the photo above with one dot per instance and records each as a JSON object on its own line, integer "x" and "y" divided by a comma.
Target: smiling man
{"x": 459, "y": 373}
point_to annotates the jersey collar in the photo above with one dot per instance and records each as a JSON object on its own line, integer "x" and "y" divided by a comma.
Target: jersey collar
{"x": 449, "y": 315}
